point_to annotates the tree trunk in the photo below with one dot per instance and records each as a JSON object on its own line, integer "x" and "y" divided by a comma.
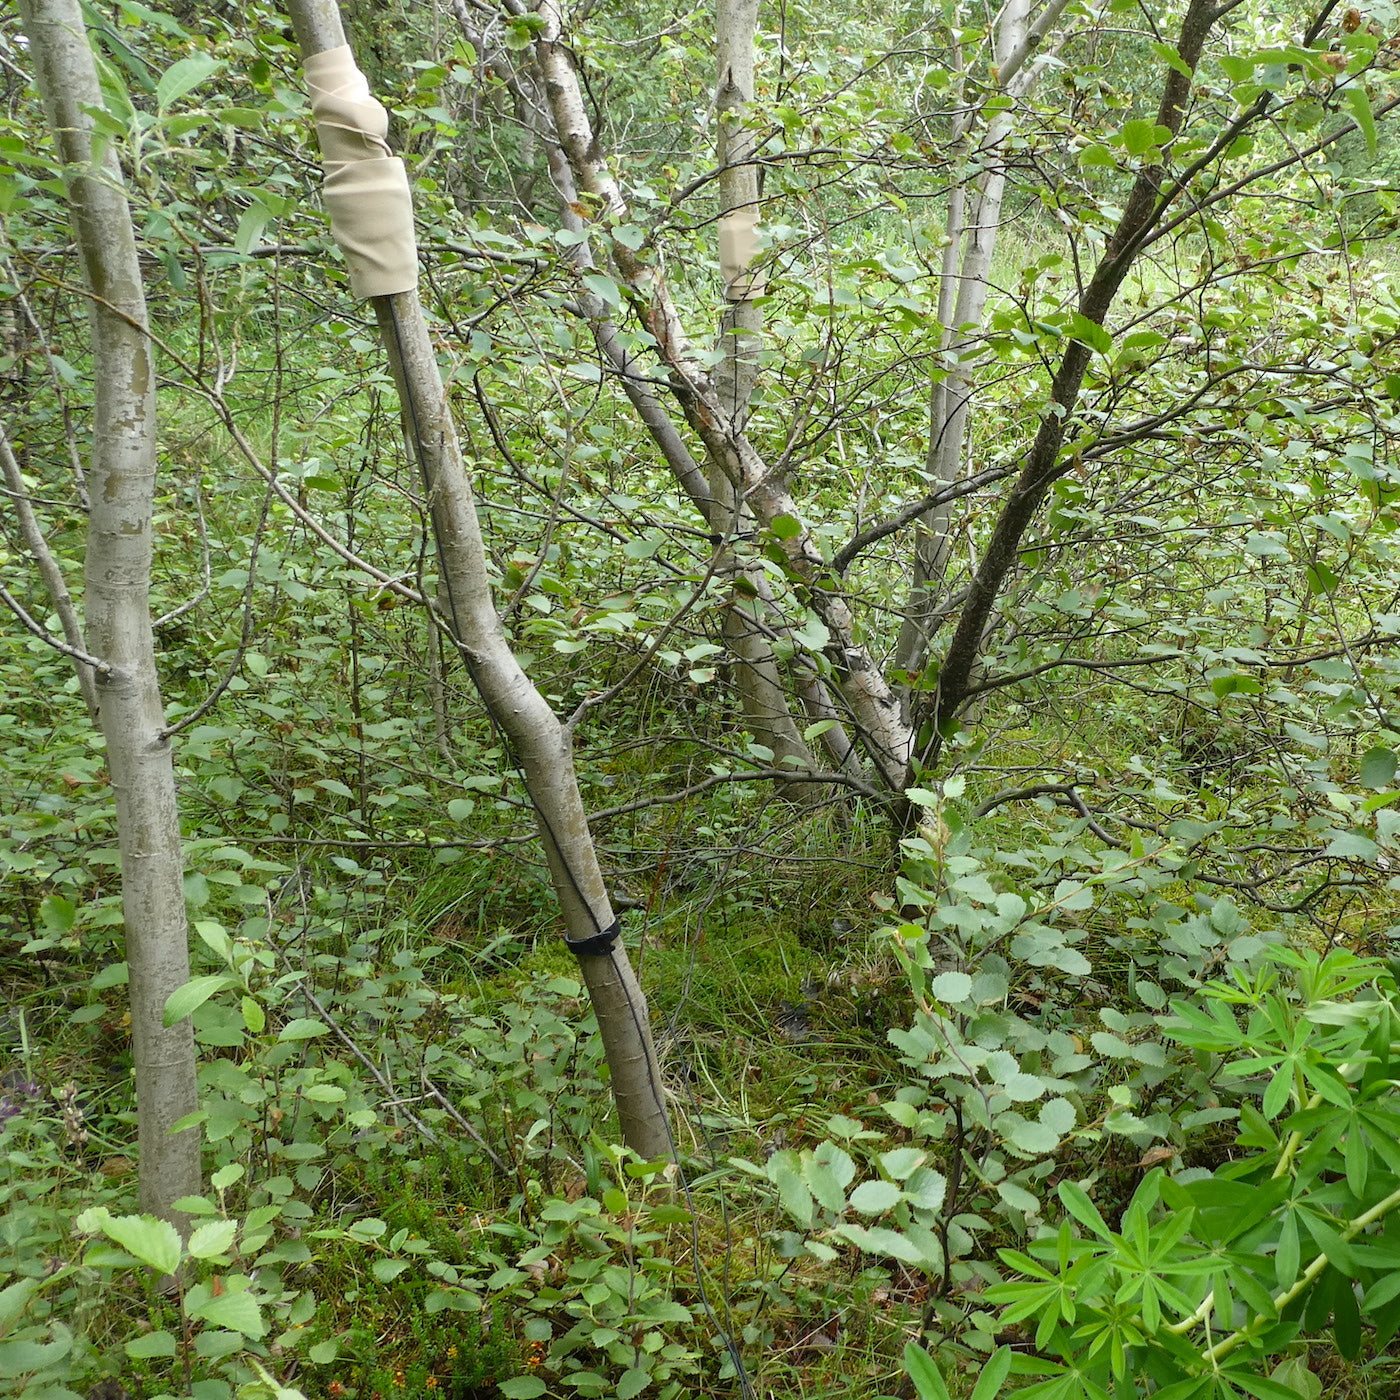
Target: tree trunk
{"x": 962, "y": 302}
{"x": 539, "y": 741}
{"x": 1046, "y": 460}
{"x": 765, "y": 702}
{"x": 119, "y": 551}
{"x": 873, "y": 706}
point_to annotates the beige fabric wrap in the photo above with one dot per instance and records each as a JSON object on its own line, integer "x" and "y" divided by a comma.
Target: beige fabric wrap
{"x": 365, "y": 189}
{"x": 738, "y": 247}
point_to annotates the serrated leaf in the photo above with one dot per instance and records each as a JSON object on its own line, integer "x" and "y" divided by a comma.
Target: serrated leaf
{"x": 879, "y": 1240}
{"x": 786, "y": 527}
{"x": 153, "y": 1344}
{"x": 784, "y": 1171}
{"x": 951, "y": 987}
{"x": 522, "y": 1388}
{"x": 631, "y": 1383}
{"x": 1092, "y": 334}
{"x": 211, "y": 1238}
{"x": 875, "y": 1197}
{"x": 238, "y": 1312}
{"x": 901, "y": 1162}
{"x": 154, "y": 1242}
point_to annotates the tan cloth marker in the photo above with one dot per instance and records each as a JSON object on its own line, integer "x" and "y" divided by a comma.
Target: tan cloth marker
{"x": 366, "y": 188}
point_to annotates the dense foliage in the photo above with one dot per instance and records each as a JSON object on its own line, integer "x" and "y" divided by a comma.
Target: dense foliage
{"x": 1070, "y": 1062}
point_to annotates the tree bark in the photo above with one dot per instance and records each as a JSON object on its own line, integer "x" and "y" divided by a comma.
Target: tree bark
{"x": 756, "y": 672}
{"x": 539, "y": 741}
{"x": 117, "y": 606}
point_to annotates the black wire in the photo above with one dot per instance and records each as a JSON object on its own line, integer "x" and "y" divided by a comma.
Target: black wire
{"x": 603, "y": 943}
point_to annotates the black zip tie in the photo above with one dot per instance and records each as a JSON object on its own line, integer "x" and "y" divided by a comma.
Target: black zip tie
{"x": 599, "y": 946}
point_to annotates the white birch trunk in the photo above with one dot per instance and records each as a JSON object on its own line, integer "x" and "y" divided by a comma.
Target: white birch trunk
{"x": 873, "y": 706}
{"x": 765, "y": 702}
{"x": 540, "y": 742}
{"x": 121, "y": 486}
{"x": 962, "y": 302}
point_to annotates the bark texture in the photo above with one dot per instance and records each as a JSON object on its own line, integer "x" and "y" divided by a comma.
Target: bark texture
{"x": 121, "y": 484}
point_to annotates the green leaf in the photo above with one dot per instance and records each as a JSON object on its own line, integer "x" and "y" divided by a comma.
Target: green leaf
{"x": 189, "y": 998}
{"x": 14, "y": 1300}
{"x": 994, "y": 1372}
{"x": 183, "y": 77}
{"x": 784, "y": 1171}
{"x": 153, "y": 1242}
{"x": 1034, "y": 1139}
{"x": 1378, "y": 767}
{"x": 879, "y": 1240}
{"x": 875, "y": 1197}
{"x": 951, "y": 987}
{"x": 919, "y": 1365}
{"x": 153, "y": 1344}
{"x": 239, "y": 1312}
{"x": 1139, "y": 136}
{"x": 522, "y": 1388}
{"x": 1077, "y": 1202}
{"x": 1357, "y": 98}
{"x": 1235, "y": 684}
{"x": 1172, "y": 59}
{"x": 786, "y": 527}
{"x": 211, "y": 1238}
{"x": 1351, "y": 845}
{"x": 631, "y": 1383}
{"x": 57, "y": 914}
{"x": 1091, "y": 333}
{"x": 604, "y": 288}
{"x": 303, "y": 1029}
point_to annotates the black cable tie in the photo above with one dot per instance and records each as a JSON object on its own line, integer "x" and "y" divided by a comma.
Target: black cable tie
{"x": 599, "y": 946}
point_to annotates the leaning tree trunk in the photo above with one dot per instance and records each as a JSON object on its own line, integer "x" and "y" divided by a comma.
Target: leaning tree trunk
{"x": 117, "y": 603}
{"x": 352, "y": 127}
{"x": 766, "y": 708}
{"x": 964, "y": 284}
{"x": 1046, "y": 461}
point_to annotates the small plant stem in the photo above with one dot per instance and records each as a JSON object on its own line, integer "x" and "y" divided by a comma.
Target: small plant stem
{"x": 1282, "y": 1300}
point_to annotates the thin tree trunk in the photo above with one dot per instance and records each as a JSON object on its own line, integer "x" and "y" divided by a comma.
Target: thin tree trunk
{"x": 121, "y": 484}
{"x": 962, "y": 301}
{"x": 32, "y": 533}
{"x": 765, "y": 702}
{"x": 1045, "y": 461}
{"x": 539, "y": 740}
{"x": 873, "y": 706}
